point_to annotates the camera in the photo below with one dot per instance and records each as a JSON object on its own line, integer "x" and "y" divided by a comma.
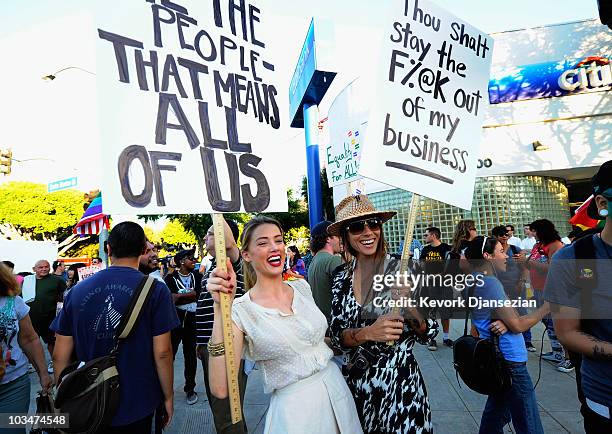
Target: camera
{"x": 360, "y": 362}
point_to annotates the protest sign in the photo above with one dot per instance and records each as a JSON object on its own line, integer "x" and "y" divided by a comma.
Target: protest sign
{"x": 426, "y": 120}
{"x": 189, "y": 107}
{"x": 85, "y": 272}
{"x": 347, "y": 123}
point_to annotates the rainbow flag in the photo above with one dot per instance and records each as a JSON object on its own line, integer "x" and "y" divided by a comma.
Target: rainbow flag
{"x": 93, "y": 219}
{"x": 581, "y": 218}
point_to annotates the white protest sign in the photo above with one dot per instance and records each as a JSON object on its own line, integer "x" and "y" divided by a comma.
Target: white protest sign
{"x": 425, "y": 124}
{"x": 85, "y": 272}
{"x": 189, "y": 107}
{"x": 347, "y": 119}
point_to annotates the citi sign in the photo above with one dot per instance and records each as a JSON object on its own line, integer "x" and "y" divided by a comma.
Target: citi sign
{"x": 591, "y": 73}
{"x": 550, "y": 79}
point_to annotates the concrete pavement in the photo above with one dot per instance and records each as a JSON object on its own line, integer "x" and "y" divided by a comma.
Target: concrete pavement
{"x": 455, "y": 409}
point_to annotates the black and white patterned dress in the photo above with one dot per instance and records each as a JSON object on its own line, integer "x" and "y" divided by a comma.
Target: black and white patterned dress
{"x": 390, "y": 395}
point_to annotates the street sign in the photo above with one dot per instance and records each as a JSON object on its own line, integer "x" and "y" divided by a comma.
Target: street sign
{"x": 62, "y": 184}
{"x": 313, "y": 72}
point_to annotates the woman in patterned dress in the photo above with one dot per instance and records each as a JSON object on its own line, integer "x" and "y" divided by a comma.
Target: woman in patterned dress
{"x": 385, "y": 380}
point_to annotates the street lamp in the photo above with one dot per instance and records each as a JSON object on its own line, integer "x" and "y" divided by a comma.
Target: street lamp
{"x": 52, "y": 77}
{"x": 103, "y": 235}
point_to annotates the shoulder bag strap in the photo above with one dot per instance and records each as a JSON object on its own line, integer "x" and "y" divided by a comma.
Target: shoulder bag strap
{"x": 130, "y": 317}
{"x": 470, "y": 292}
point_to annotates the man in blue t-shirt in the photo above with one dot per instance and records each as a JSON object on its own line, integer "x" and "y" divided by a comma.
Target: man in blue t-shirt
{"x": 580, "y": 295}
{"x": 86, "y": 325}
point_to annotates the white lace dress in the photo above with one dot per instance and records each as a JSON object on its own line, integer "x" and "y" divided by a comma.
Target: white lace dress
{"x": 309, "y": 393}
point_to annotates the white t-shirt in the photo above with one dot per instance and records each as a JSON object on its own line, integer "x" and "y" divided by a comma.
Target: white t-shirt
{"x": 12, "y": 310}
{"x": 515, "y": 241}
{"x": 528, "y": 243}
{"x": 157, "y": 275}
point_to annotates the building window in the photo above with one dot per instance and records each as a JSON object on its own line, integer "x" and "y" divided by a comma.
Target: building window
{"x": 498, "y": 200}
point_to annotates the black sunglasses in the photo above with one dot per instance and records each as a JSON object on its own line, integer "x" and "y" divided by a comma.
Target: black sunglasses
{"x": 358, "y": 226}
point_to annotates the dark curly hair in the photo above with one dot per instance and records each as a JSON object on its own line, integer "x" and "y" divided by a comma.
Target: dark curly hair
{"x": 545, "y": 231}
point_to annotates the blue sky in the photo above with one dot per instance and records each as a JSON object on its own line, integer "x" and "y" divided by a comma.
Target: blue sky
{"x": 488, "y": 15}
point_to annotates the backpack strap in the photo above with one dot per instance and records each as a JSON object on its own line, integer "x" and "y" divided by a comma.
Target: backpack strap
{"x": 586, "y": 275}
{"x": 131, "y": 315}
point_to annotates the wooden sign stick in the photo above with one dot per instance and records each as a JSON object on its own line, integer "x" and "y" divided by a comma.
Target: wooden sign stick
{"x": 410, "y": 223}
{"x": 226, "y": 319}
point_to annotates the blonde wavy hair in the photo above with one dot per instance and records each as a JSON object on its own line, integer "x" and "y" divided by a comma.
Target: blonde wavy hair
{"x": 8, "y": 284}
{"x": 250, "y": 278}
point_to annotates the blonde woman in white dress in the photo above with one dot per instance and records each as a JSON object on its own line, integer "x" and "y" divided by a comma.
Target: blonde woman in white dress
{"x": 278, "y": 325}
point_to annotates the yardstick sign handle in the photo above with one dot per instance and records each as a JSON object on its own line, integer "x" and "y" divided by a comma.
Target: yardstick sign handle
{"x": 410, "y": 223}
{"x": 226, "y": 319}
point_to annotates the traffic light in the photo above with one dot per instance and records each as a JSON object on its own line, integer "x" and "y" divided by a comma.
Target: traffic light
{"x": 6, "y": 159}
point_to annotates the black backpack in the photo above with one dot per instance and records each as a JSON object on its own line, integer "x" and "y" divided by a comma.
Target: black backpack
{"x": 90, "y": 394}
{"x": 479, "y": 362}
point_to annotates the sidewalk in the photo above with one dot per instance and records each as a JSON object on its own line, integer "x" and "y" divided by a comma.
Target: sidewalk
{"x": 455, "y": 409}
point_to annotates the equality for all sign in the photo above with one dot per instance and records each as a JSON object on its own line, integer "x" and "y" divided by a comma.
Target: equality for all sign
{"x": 348, "y": 116}
{"x": 426, "y": 122}
{"x": 188, "y": 107}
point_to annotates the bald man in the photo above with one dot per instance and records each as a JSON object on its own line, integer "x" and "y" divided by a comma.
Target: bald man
{"x": 49, "y": 291}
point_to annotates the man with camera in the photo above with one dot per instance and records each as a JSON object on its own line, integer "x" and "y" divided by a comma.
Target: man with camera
{"x": 185, "y": 283}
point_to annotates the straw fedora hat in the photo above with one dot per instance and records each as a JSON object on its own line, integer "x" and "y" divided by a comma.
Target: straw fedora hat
{"x": 356, "y": 208}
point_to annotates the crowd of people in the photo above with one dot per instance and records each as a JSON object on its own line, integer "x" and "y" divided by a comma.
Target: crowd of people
{"x": 314, "y": 329}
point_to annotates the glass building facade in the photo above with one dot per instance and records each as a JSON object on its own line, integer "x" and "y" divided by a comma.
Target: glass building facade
{"x": 498, "y": 200}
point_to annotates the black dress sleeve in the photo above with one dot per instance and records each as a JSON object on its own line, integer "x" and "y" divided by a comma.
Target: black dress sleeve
{"x": 339, "y": 316}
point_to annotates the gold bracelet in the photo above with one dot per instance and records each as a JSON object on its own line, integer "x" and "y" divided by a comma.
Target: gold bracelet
{"x": 216, "y": 350}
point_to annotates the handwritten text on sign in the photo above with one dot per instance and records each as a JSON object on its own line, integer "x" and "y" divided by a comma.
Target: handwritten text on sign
{"x": 348, "y": 117}
{"x": 425, "y": 128}
{"x": 187, "y": 95}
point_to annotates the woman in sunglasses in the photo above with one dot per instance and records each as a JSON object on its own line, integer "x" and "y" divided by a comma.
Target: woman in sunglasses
{"x": 385, "y": 380}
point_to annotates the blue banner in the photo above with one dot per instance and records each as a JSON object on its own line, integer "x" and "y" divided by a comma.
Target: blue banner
{"x": 550, "y": 79}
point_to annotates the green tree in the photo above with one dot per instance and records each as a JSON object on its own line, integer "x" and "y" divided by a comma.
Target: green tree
{"x": 198, "y": 224}
{"x": 175, "y": 235}
{"x": 89, "y": 249}
{"x": 299, "y": 237}
{"x": 151, "y": 235}
{"x": 296, "y": 216}
{"x": 327, "y": 194}
{"x": 28, "y": 211}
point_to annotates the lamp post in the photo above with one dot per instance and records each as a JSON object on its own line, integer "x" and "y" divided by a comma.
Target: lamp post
{"x": 103, "y": 235}
{"x": 51, "y": 77}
